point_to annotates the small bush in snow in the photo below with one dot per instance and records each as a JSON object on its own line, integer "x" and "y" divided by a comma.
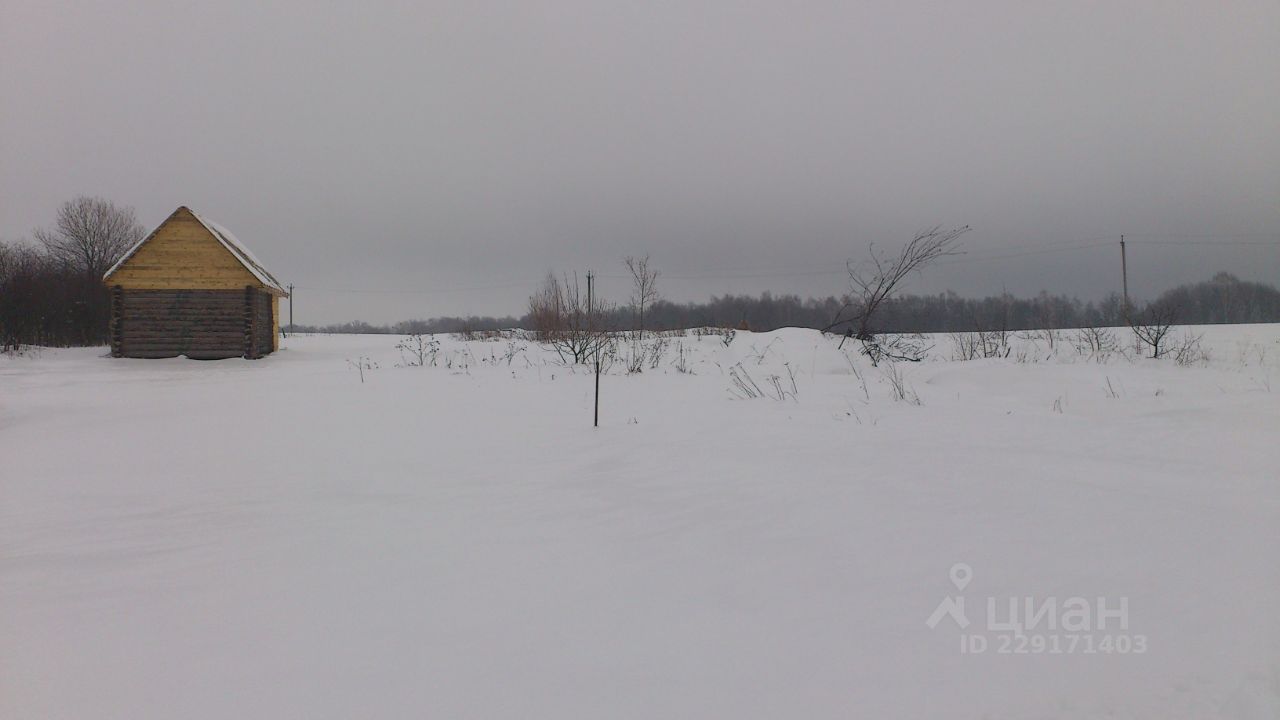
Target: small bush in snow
{"x": 895, "y": 347}
{"x": 1152, "y": 328}
{"x": 745, "y": 387}
{"x": 418, "y": 350}
{"x": 681, "y": 363}
{"x": 964, "y": 346}
{"x": 361, "y": 364}
{"x": 1187, "y": 350}
{"x": 1097, "y": 344}
{"x": 898, "y": 387}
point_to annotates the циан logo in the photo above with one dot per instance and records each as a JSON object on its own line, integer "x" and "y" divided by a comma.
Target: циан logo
{"x": 1021, "y": 625}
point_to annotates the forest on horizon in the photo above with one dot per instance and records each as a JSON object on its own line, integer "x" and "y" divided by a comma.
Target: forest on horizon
{"x": 1224, "y": 298}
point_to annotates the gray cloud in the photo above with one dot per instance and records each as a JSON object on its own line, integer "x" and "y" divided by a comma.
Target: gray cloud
{"x": 463, "y": 149}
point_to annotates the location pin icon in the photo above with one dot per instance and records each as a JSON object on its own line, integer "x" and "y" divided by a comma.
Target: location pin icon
{"x": 961, "y": 574}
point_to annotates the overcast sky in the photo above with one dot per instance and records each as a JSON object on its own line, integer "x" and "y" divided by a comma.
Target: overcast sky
{"x": 461, "y": 150}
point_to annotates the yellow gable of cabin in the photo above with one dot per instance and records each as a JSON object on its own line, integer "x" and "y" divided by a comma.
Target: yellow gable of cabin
{"x": 183, "y": 255}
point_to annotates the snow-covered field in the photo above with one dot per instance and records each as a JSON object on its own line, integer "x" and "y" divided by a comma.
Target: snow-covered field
{"x": 282, "y": 539}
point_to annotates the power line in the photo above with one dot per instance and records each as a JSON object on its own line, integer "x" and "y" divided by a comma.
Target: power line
{"x": 1043, "y": 251}
{"x": 751, "y": 273}
{"x": 723, "y": 276}
{"x": 1038, "y": 250}
{"x": 1272, "y": 243}
{"x": 1206, "y": 236}
{"x": 971, "y": 256}
{"x": 382, "y": 291}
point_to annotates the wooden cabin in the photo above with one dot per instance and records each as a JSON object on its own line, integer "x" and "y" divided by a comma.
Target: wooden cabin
{"x": 191, "y": 288}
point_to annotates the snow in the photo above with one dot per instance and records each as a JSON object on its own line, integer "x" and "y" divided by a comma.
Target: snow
{"x": 277, "y": 538}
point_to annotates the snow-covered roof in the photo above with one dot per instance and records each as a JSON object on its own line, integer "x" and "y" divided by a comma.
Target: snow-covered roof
{"x": 224, "y": 236}
{"x": 241, "y": 252}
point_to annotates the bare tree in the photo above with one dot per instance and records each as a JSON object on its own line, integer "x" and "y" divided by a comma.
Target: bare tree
{"x": 1153, "y": 326}
{"x": 644, "y": 289}
{"x": 875, "y": 280}
{"x": 1047, "y": 319}
{"x": 90, "y": 234}
{"x": 546, "y": 315}
{"x": 563, "y": 318}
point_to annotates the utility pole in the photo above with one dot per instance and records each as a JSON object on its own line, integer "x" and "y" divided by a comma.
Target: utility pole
{"x": 290, "y": 308}
{"x": 1124, "y": 274}
{"x": 591, "y": 330}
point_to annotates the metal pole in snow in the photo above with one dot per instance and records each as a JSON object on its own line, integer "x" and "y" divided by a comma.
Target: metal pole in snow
{"x": 1124, "y": 274}
{"x": 591, "y": 286}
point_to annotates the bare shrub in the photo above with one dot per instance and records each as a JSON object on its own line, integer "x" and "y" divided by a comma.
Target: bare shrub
{"x": 1187, "y": 350}
{"x": 1095, "y": 343}
{"x": 900, "y": 391}
{"x": 1048, "y": 336}
{"x": 742, "y": 384}
{"x": 460, "y": 361}
{"x": 513, "y": 349}
{"x": 606, "y": 353}
{"x": 418, "y": 350}
{"x": 781, "y": 388}
{"x": 681, "y": 362}
{"x": 1026, "y": 356}
{"x": 361, "y": 364}
{"x": 897, "y": 346}
{"x": 635, "y": 361}
{"x": 994, "y": 343}
{"x": 658, "y": 349}
{"x": 726, "y": 335}
{"x": 776, "y": 387}
{"x": 875, "y": 280}
{"x": 759, "y": 354}
{"x": 546, "y": 310}
{"x": 563, "y": 318}
{"x": 982, "y": 344}
{"x": 1153, "y": 325}
{"x": 636, "y": 356}
{"x": 468, "y": 334}
{"x": 853, "y": 369}
{"x": 964, "y": 346}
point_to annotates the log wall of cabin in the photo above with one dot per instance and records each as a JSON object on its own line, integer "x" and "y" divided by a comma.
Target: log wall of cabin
{"x": 201, "y": 324}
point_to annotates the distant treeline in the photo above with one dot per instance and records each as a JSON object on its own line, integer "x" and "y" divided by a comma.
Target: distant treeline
{"x": 1224, "y": 299}
{"x": 46, "y": 301}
